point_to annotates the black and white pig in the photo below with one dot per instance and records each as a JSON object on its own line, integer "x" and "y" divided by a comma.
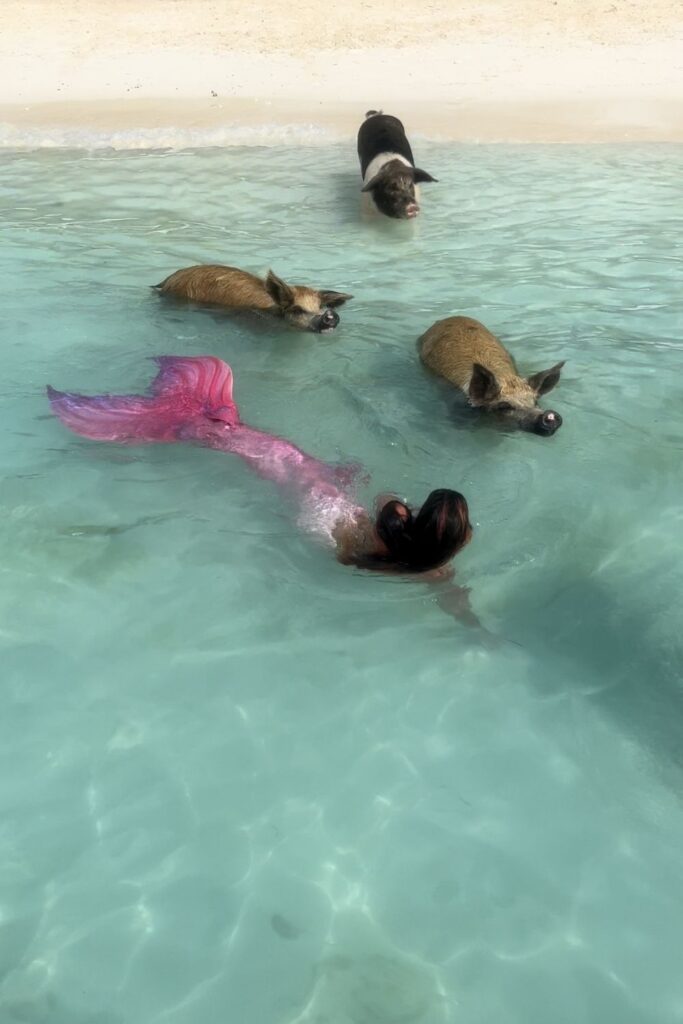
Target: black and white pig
{"x": 388, "y": 167}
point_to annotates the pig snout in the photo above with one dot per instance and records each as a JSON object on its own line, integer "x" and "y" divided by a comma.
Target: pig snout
{"x": 547, "y": 423}
{"x": 327, "y": 321}
{"x": 412, "y": 210}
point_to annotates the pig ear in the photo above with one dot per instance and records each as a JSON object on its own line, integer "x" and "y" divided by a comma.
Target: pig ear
{"x": 328, "y": 298}
{"x": 483, "y": 386}
{"x": 374, "y": 181}
{"x": 421, "y": 175}
{"x": 545, "y": 380}
{"x": 279, "y": 292}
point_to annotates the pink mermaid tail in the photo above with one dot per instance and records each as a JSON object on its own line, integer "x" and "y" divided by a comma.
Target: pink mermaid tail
{"x": 184, "y": 392}
{"x": 191, "y": 400}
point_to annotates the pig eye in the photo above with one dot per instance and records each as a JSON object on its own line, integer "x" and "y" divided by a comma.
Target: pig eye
{"x": 297, "y": 310}
{"x": 504, "y": 407}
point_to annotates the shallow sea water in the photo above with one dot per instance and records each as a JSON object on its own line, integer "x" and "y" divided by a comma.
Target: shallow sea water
{"x": 242, "y": 783}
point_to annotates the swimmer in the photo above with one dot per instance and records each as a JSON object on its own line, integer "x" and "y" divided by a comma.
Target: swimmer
{"x": 191, "y": 401}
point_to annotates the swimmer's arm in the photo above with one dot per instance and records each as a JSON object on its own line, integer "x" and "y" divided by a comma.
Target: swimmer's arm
{"x": 455, "y": 601}
{"x": 451, "y": 598}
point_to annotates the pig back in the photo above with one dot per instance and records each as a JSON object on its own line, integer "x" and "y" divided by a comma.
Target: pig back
{"x": 452, "y": 346}
{"x": 219, "y": 285}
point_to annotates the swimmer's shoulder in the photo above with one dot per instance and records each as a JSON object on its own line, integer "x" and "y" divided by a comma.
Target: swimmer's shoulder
{"x": 353, "y": 536}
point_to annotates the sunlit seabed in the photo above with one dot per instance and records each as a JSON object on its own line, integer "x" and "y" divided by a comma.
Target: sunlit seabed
{"x": 241, "y": 783}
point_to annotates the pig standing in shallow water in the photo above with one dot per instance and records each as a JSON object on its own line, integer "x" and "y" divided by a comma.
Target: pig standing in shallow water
{"x": 304, "y": 308}
{"x": 466, "y": 354}
{"x": 387, "y": 165}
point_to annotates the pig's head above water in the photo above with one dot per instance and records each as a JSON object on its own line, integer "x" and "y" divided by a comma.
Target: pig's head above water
{"x": 514, "y": 399}
{"x": 306, "y": 309}
{"x": 393, "y": 189}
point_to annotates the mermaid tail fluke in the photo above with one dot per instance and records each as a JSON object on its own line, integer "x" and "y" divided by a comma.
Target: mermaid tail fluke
{"x": 186, "y": 393}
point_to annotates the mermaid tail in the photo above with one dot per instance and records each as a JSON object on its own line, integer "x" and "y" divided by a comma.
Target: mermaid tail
{"x": 191, "y": 400}
{"x": 186, "y": 397}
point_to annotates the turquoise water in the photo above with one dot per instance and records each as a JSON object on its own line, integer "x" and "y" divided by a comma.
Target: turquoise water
{"x": 243, "y": 783}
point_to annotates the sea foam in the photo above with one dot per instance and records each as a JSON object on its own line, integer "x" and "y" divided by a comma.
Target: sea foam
{"x": 164, "y": 137}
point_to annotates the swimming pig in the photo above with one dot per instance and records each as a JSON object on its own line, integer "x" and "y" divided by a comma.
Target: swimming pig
{"x": 304, "y": 308}
{"x": 466, "y": 354}
{"x": 387, "y": 165}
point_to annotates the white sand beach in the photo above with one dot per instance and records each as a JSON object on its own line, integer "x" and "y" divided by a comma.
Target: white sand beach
{"x": 503, "y": 70}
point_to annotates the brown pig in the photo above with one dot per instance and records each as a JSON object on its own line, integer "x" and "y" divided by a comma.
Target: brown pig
{"x": 306, "y": 309}
{"x": 470, "y": 357}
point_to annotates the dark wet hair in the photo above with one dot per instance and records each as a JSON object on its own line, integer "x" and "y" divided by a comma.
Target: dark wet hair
{"x": 418, "y": 543}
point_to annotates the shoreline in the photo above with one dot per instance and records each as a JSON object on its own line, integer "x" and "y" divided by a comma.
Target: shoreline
{"x": 190, "y": 123}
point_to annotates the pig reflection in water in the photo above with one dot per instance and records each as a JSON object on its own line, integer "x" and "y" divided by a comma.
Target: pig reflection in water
{"x": 191, "y": 401}
{"x": 467, "y": 355}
